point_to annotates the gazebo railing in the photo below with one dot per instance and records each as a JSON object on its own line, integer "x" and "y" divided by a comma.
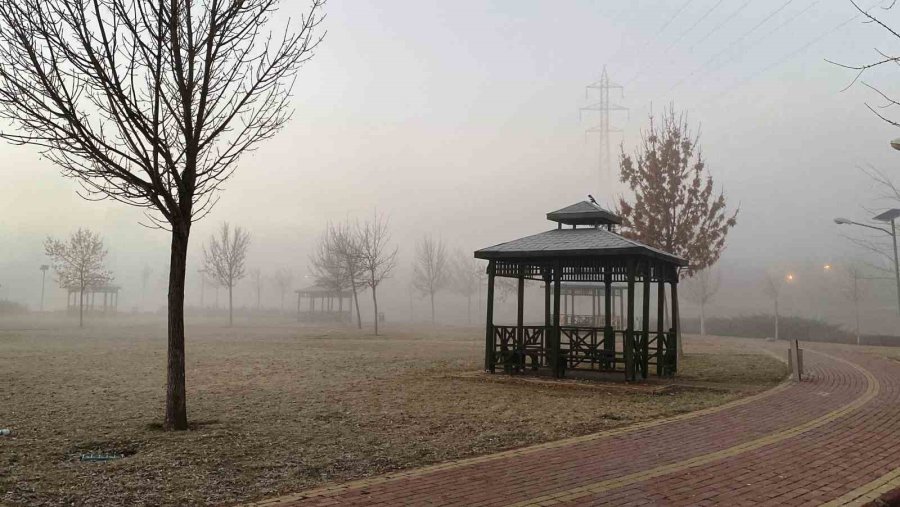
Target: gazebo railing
{"x": 584, "y": 348}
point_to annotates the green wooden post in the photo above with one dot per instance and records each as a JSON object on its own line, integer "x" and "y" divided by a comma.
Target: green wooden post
{"x": 629, "y": 330}
{"x": 548, "y": 323}
{"x": 645, "y": 317}
{"x": 660, "y": 324}
{"x": 555, "y": 347}
{"x": 489, "y": 322}
{"x": 676, "y": 324}
{"x": 609, "y": 335}
{"x": 520, "y": 316}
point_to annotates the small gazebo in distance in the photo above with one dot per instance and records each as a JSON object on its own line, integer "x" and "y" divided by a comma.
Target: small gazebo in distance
{"x": 324, "y": 304}
{"x": 585, "y": 250}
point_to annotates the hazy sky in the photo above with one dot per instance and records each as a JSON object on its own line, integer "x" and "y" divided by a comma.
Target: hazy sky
{"x": 461, "y": 119}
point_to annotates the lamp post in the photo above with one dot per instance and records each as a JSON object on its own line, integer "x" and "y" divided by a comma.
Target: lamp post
{"x": 44, "y": 268}
{"x": 888, "y": 216}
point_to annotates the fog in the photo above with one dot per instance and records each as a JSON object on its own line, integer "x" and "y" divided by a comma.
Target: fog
{"x": 461, "y": 120}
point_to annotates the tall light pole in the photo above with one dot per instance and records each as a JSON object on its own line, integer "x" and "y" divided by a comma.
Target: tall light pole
{"x": 888, "y": 216}
{"x": 44, "y": 268}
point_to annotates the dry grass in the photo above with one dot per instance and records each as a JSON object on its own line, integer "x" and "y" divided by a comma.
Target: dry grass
{"x": 281, "y": 408}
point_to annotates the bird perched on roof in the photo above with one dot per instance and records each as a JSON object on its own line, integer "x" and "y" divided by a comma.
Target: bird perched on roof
{"x": 593, "y": 201}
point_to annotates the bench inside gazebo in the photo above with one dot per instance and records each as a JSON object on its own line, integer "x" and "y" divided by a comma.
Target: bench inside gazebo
{"x": 585, "y": 256}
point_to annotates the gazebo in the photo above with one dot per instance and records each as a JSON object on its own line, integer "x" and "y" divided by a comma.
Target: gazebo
{"x": 91, "y": 305}
{"x": 324, "y": 304}
{"x": 585, "y": 256}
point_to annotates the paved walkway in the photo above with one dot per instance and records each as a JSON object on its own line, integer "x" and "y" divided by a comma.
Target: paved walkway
{"x": 833, "y": 439}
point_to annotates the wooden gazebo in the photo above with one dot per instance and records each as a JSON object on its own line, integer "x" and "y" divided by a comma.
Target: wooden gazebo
{"x": 74, "y": 299}
{"x": 586, "y": 254}
{"x": 324, "y": 304}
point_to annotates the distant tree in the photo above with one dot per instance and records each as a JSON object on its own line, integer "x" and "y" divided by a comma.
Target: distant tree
{"x": 327, "y": 266}
{"x": 432, "y": 268}
{"x": 465, "y": 278}
{"x": 257, "y": 279}
{"x": 224, "y": 258}
{"x": 151, "y": 104}
{"x": 345, "y": 240}
{"x": 79, "y": 264}
{"x": 284, "y": 278}
{"x": 145, "y": 281}
{"x": 701, "y": 288}
{"x": 377, "y": 257}
{"x": 674, "y": 207}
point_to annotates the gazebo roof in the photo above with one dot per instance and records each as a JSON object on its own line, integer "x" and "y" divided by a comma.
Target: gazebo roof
{"x": 584, "y": 213}
{"x": 574, "y": 243}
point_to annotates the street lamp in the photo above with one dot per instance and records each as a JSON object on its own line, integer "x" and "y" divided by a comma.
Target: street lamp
{"x": 888, "y": 216}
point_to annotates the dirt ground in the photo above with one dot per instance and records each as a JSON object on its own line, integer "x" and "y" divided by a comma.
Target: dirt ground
{"x": 280, "y": 407}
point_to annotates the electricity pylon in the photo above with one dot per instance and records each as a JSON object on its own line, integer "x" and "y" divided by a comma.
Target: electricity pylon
{"x": 604, "y": 128}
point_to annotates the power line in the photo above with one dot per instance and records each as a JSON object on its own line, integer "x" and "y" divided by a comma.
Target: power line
{"x": 768, "y": 34}
{"x": 794, "y": 53}
{"x": 678, "y": 39}
{"x": 691, "y": 28}
{"x": 665, "y": 25}
{"x": 721, "y": 24}
{"x": 733, "y": 43}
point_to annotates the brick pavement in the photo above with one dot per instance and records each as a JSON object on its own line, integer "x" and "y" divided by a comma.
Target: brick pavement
{"x": 833, "y": 439}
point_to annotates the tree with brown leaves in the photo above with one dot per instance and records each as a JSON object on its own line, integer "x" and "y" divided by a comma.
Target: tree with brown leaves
{"x": 675, "y": 207}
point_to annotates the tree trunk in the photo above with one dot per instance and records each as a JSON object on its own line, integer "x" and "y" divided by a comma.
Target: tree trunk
{"x": 375, "y": 302}
{"x": 81, "y": 308}
{"x": 432, "y": 309}
{"x": 356, "y": 300}
{"x": 230, "y": 306}
{"x": 176, "y": 402}
{"x": 702, "y": 319}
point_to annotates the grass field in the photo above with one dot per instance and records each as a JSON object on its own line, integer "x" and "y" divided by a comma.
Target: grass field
{"x": 279, "y": 408}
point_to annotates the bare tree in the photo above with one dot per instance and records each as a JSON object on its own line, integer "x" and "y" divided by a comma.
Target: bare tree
{"x": 466, "y": 272}
{"x": 145, "y": 281}
{"x": 224, "y": 259}
{"x": 377, "y": 258}
{"x": 150, "y": 103}
{"x": 257, "y": 279}
{"x": 432, "y": 268}
{"x": 701, "y": 288}
{"x": 348, "y": 250}
{"x": 284, "y": 278}
{"x": 79, "y": 264}
{"x": 327, "y": 266}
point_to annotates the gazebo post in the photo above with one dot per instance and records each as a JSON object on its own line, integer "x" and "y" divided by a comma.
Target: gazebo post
{"x": 609, "y": 334}
{"x": 547, "y": 314}
{"x": 660, "y": 324}
{"x": 555, "y": 359}
{"x": 676, "y": 323}
{"x": 645, "y": 339}
{"x": 489, "y": 322}
{"x": 520, "y": 303}
{"x": 629, "y": 329}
